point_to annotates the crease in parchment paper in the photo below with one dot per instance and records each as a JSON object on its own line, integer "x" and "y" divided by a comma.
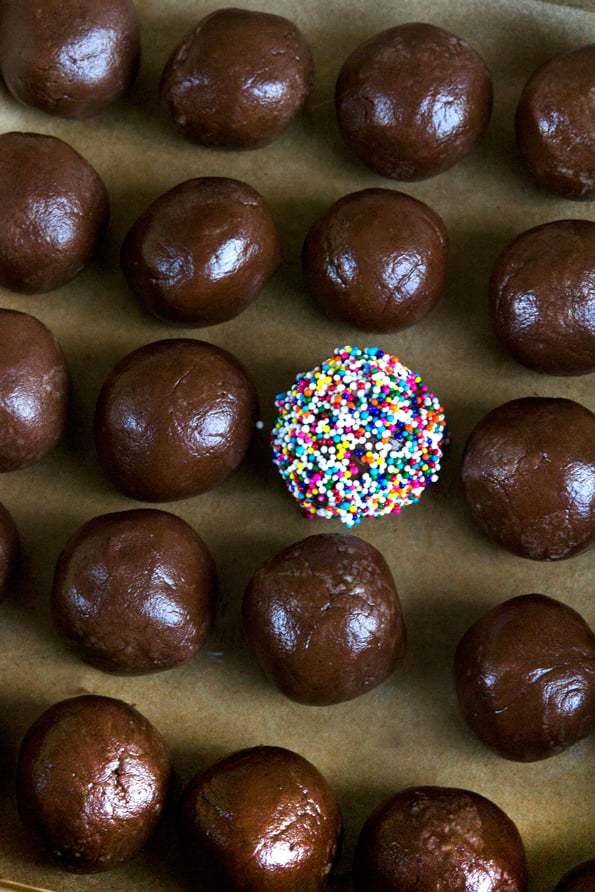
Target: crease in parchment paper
{"x": 585, "y": 5}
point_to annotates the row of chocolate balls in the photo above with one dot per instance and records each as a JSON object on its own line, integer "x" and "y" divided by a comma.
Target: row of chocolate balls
{"x": 175, "y": 417}
{"x": 525, "y": 672}
{"x": 376, "y": 259}
{"x": 411, "y": 101}
{"x": 94, "y": 774}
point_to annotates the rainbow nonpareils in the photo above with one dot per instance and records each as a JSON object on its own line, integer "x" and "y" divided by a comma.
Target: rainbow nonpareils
{"x": 358, "y": 436}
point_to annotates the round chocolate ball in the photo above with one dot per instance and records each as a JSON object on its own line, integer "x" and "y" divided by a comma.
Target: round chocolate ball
{"x": 555, "y": 124}
{"x": 92, "y": 779}
{"x": 261, "y": 820}
{"x": 174, "y": 419}
{"x": 9, "y": 549}
{"x": 134, "y": 591}
{"x": 377, "y": 260}
{"x": 237, "y": 79}
{"x": 201, "y": 253}
{"x": 55, "y": 209}
{"x": 525, "y": 678}
{"x": 324, "y": 619}
{"x": 69, "y": 59}
{"x": 529, "y": 477}
{"x": 359, "y": 435}
{"x": 34, "y": 389}
{"x": 542, "y": 297}
{"x": 580, "y": 879}
{"x": 413, "y": 100}
{"x": 428, "y": 838}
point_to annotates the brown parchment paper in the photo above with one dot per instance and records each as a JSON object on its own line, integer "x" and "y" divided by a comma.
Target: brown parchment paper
{"x": 407, "y": 731}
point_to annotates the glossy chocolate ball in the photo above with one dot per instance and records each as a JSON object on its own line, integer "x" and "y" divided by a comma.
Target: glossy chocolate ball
{"x": 201, "y": 253}
{"x": 238, "y": 79}
{"x": 54, "y": 211}
{"x": 525, "y": 678}
{"x": 134, "y": 591}
{"x": 542, "y": 297}
{"x": 413, "y": 100}
{"x": 92, "y": 779}
{"x": 34, "y": 389}
{"x": 555, "y": 124}
{"x": 580, "y": 879}
{"x": 428, "y": 838}
{"x": 529, "y": 477}
{"x": 174, "y": 419}
{"x": 9, "y": 550}
{"x": 68, "y": 57}
{"x": 261, "y": 820}
{"x": 324, "y": 619}
{"x": 376, "y": 259}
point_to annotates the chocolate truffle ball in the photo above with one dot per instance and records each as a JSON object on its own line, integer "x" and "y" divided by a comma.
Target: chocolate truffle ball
{"x": 413, "y": 100}
{"x": 377, "y": 260}
{"x": 68, "y": 57}
{"x": 428, "y": 838}
{"x": 174, "y": 419}
{"x": 555, "y": 124}
{"x": 134, "y": 591}
{"x": 580, "y": 879}
{"x": 261, "y": 820}
{"x": 238, "y": 79}
{"x": 92, "y": 780}
{"x": 542, "y": 297}
{"x": 54, "y": 210}
{"x": 201, "y": 253}
{"x": 529, "y": 477}
{"x": 525, "y": 678}
{"x": 324, "y": 619}
{"x": 34, "y": 388}
{"x": 358, "y": 436}
{"x": 9, "y": 549}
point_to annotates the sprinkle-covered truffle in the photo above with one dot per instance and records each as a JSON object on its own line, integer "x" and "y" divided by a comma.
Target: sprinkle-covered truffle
{"x": 358, "y": 436}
